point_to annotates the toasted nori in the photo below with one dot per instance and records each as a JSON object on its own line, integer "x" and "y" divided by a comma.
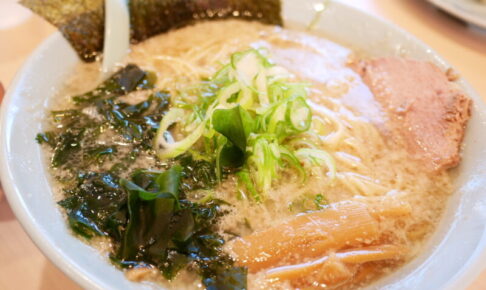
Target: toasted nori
{"x": 82, "y": 21}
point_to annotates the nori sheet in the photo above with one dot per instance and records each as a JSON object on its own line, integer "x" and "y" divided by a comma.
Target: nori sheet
{"x": 82, "y": 21}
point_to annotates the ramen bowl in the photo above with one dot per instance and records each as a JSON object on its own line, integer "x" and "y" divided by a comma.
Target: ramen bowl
{"x": 451, "y": 259}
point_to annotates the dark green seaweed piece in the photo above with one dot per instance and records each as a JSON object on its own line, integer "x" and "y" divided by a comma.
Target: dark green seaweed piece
{"x": 96, "y": 205}
{"x": 236, "y": 124}
{"x": 67, "y": 144}
{"x": 76, "y": 138}
{"x": 126, "y": 80}
{"x": 231, "y": 279}
{"x": 82, "y": 21}
{"x": 100, "y": 153}
{"x": 172, "y": 233}
{"x": 151, "y": 223}
{"x": 198, "y": 174}
{"x": 47, "y": 138}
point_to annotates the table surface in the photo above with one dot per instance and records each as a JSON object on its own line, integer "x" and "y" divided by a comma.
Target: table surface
{"x": 23, "y": 265}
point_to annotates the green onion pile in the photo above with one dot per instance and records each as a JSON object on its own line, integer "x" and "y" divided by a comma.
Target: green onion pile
{"x": 245, "y": 119}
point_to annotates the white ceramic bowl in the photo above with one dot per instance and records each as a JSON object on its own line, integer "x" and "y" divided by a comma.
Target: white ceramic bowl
{"x": 454, "y": 255}
{"x": 472, "y": 11}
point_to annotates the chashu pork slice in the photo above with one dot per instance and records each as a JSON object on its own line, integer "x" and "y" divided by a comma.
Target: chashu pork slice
{"x": 426, "y": 110}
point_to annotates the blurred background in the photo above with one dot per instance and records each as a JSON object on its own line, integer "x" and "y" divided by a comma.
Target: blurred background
{"x": 456, "y": 29}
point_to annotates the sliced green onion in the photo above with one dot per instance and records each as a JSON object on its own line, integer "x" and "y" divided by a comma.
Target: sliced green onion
{"x": 244, "y": 179}
{"x": 225, "y": 93}
{"x": 277, "y": 117}
{"x": 276, "y": 73}
{"x": 246, "y": 67}
{"x": 165, "y": 146}
{"x": 275, "y": 92}
{"x": 264, "y": 158}
{"x": 318, "y": 157}
{"x": 207, "y": 198}
{"x": 292, "y": 160}
{"x": 221, "y": 76}
{"x": 278, "y": 111}
{"x": 299, "y": 115}
{"x": 245, "y": 98}
{"x": 261, "y": 87}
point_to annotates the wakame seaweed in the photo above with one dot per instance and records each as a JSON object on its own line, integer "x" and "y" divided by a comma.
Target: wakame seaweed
{"x": 166, "y": 230}
{"x": 82, "y": 21}
{"x": 75, "y": 139}
{"x": 151, "y": 222}
{"x": 96, "y": 205}
{"x": 145, "y": 213}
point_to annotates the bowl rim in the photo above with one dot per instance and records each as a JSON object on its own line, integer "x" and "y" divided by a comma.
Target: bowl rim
{"x": 458, "y": 11}
{"x": 12, "y": 193}
{"x": 474, "y": 266}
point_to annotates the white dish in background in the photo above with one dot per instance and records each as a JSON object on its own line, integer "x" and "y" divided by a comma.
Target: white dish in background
{"x": 454, "y": 256}
{"x": 472, "y": 11}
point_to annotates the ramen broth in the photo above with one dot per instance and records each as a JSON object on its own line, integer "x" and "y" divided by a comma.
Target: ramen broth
{"x": 371, "y": 167}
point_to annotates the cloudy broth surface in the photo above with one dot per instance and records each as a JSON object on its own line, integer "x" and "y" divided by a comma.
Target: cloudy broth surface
{"x": 372, "y": 169}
